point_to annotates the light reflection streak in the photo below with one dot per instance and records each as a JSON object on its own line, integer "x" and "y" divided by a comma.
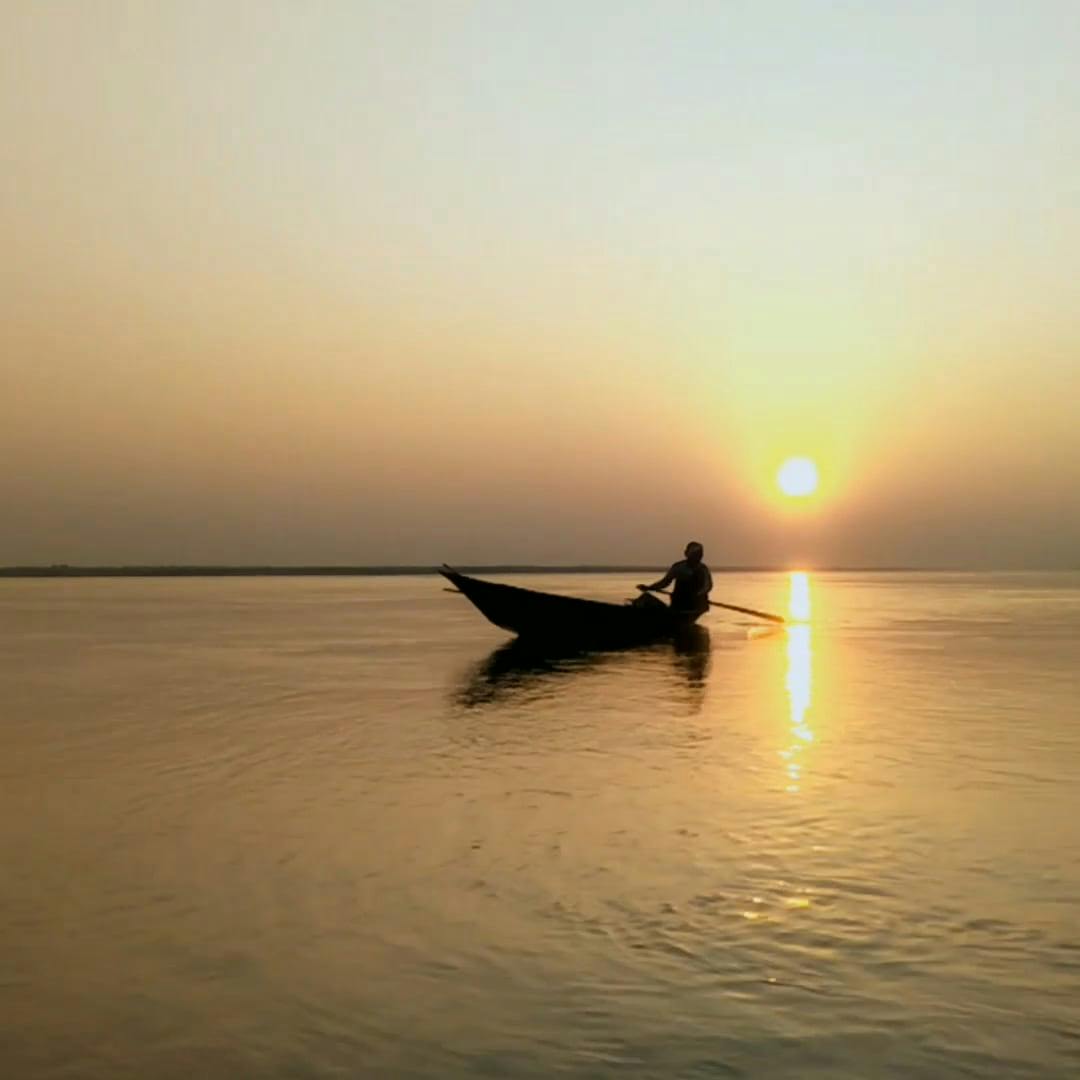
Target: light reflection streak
{"x": 799, "y": 680}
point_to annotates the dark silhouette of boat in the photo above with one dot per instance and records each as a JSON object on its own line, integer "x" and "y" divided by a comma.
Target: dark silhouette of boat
{"x": 546, "y": 617}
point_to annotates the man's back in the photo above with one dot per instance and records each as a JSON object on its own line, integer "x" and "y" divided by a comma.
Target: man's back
{"x": 692, "y": 584}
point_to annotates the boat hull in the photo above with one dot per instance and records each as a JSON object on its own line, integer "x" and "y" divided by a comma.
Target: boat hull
{"x": 546, "y": 617}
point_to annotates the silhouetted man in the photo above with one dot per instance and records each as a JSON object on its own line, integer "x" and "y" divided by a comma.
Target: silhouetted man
{"x": 692, "y": 579}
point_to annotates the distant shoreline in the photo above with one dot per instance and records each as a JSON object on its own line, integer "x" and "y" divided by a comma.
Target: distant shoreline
{"x": 67, "y": 571}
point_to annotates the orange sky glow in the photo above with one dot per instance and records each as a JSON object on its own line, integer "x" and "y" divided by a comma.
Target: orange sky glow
{"x": 380, "y": 283}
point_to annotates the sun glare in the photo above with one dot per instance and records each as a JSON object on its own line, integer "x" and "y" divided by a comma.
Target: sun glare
{"x": 798, "y": 477}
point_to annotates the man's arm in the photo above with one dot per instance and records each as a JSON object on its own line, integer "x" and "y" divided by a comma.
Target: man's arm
{"x": 666, "y": 580}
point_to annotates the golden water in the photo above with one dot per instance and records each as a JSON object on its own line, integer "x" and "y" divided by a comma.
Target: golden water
{"x": 324, "y": 828}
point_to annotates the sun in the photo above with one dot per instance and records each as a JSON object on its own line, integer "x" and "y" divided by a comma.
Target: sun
{"x": 797, "y": 477}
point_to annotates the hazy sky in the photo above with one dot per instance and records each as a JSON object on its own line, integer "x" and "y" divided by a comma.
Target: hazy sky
{"x": 550, "y": 282}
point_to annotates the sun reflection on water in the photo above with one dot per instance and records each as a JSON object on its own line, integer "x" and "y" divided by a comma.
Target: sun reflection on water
{"x": 799, "y": 681}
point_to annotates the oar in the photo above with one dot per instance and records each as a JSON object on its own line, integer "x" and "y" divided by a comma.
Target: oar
{"x": 732, "y": 607}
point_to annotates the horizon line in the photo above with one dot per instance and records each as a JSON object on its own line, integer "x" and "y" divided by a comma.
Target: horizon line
{"x": 406, "y": 570}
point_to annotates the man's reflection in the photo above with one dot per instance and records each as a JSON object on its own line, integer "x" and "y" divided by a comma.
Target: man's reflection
{"x": 693, "y": 653}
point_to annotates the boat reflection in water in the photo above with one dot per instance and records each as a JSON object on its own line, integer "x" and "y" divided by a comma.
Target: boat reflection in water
{"x": 799, "y": 679}
{"x": 525, "y": 670}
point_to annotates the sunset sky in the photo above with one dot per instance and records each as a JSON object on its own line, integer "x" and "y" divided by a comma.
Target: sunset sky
{"x": 540, "y": 282}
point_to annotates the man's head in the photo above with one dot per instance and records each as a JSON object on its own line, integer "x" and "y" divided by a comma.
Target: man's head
{"x": 694, "y": 552}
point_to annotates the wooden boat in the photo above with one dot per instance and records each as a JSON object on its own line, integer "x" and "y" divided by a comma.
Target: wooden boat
{"x": 546, "y": 617}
